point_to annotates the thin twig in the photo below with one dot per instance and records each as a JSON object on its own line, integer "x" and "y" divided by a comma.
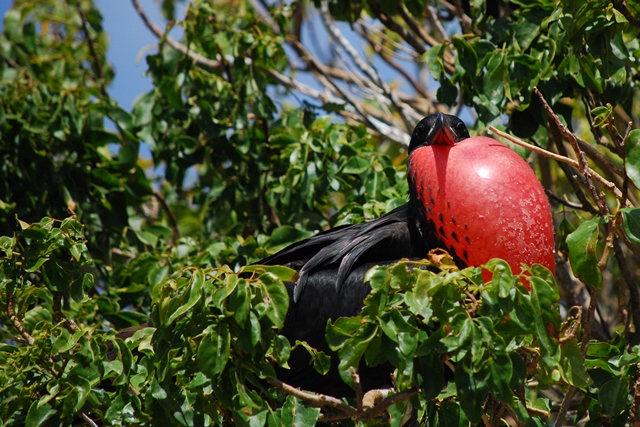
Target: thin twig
{"x": 316, "y": 400}
{"x": 576, "y": 180}
{"x": 415, "y": 27}
{"x": 385, "y": 53}
{"x": 88, "y": 420}
{"x": 385, "y": 39}
{"x": 173, "y": 222}
{"x": 345, "y": 410}
{"x": 408, "y": 114}
{"x": 632, "y": 247}
{"x": 564, "y": 202}
{"x": 588, "y": 321}
{"x": 358, "y": 386}
{"x": 57, "y": 310}
{"x": 582, "y": 159}
{"x": 202, "y": 60}
{"x": 384, "y": 404}
{"x": 576, "y": 164}
{"x": 564, "y": 406}
{"x": 16, "y": 322}
{"x": 92, "y": 50}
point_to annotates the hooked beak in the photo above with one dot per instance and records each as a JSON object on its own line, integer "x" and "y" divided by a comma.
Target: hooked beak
{"x": 441, "y": 133}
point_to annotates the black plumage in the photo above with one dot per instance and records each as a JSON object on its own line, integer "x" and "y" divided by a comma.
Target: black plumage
{"x": 332, "y": 265}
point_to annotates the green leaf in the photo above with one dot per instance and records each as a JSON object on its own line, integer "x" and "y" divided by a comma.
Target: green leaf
{"x": 341, "y": 330}
{"x": 214, "y": 351}
{"x": 501, "y": 371}
{"x": 590, "y": 75}
{"x": 632, "y": 161}
{"x": 450, "y": 415}
{"x": 466, "y": 60}
{"x": 356, "y": 165}
{"x": 295, "y": 413}
{"x": 602, "y": 350}
{"x": 276, "y": 298}
{"x": 502, "y": 277}
{"x": 239, "y": 300}
{"x": 283, "y": 273}
{"x": 351, "y": 354}
{"x": 431, "y": 368}
{"x": 472, "y": 388}
{"x": 287, "y": 235}
{"x": 322, "y": 362}
{"x": 582, "y": 252}
{"x": 614, "y": 396}
{"x": 601, "y": 115}
{"x": 631, "y": 222}
{"x": 572, "y": 367}
{"x": 434, "y": 58}
{"x": 38, "y": 414}
{"x": 78, "y": 395}
{"x": 190, "y": 296}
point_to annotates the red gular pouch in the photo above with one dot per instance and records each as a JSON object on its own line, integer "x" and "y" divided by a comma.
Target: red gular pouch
{"x": 484, "y": 202}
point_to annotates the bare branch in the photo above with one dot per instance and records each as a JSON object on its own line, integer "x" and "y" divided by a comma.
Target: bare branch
{"x": 316, "y": 400}
{"x": 351, "y": 105}
{"x": 385, "y": 39}
{"x": 57, "y": 310}
{"x": 408, "y": 114}
{"x": 415, "y": 27}
{"x": 92, "y": 50}
{"x": 386, "y": 54}
{"x": 173, "y": 222}
{"x": 582, "y": 158}
{"x": 88, "y": 420}
{"x": 564, "y": 202}
{"x": 16, "y": 322}
{"x": 356, "y": 383}
{"x": 564, "y": 407}
{"x": 201, "y": 60}
{"x": 391, "y": 24}
{"x": 344, "y": 410}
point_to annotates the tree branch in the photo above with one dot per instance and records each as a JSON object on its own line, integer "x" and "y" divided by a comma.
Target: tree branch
{"x": 582, "y": 158}
{"x": 345, "y": 410}
{"x": 17, "y": 322}
{"x": 92, "y": 50}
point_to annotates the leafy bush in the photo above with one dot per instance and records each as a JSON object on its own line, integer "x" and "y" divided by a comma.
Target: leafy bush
{"x": 259, "y": 138}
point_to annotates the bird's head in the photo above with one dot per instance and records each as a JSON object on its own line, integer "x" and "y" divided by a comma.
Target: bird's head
{"x": 438, "y": 129}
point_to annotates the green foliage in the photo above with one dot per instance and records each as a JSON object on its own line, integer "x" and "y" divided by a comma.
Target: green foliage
{"x": 94, "y": 237}
{"x": 415, "y": 319}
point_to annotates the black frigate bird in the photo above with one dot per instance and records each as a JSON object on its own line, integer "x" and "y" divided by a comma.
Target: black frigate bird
{"x": 331, "y": 268}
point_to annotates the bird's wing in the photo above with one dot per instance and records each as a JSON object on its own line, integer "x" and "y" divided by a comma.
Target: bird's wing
{"x": 384, "y": 239}
{"x": 298, "y": 254}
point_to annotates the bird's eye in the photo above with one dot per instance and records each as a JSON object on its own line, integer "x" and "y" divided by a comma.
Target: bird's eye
{"x": 461, "y": 130}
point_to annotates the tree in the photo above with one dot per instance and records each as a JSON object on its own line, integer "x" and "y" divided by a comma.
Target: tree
{"x": 265, "y": 137}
